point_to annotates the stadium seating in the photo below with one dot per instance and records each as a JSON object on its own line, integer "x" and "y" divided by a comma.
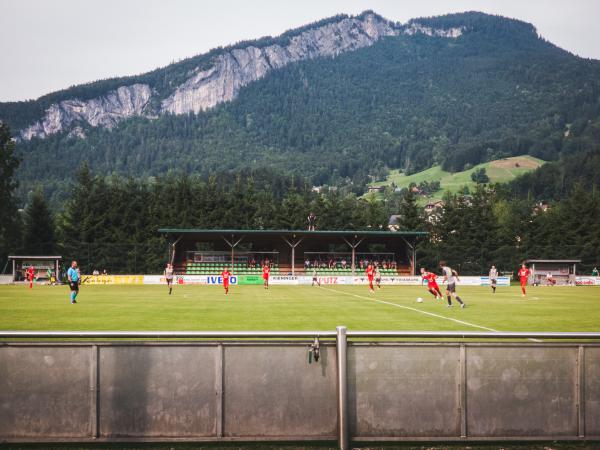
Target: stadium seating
{"x": 348, "y": 271}
{"x": 195, "y": 268}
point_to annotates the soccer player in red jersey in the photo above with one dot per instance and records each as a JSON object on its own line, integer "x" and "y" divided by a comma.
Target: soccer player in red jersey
{"x": 225, "y": 275}
{"x": 523, "y": 274}
{"x": 30, "y": 276}
{"x": 266, "y": 273}
{"x": 370, "y": 274}
{"x": 432, "y": 285}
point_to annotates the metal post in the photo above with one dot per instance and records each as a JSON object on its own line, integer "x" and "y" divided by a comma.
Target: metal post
{"x": 581, "y": 391}
{"x": 343, "y": 437}
{"x": 232, "y": 255}
{"x": 293, "y": 260}
{"x": 94, "y": 390}
{"x": 14, "y": 271}
{"x": 219, "y": 390}
{"x": 353, "y": 263}
{"x": 463, "y": 391}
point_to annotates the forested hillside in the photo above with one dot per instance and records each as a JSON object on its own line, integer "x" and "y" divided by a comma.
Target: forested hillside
{"x": 409, "y": 102}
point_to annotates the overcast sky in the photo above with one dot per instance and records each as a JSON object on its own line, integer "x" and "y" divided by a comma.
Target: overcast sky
{"x": 47, "y": 45}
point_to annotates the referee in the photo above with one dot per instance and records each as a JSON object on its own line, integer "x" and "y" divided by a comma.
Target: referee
{"x": 74, "y": 280}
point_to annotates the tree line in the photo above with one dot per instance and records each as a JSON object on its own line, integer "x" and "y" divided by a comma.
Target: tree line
{"x": 111, "y": 222}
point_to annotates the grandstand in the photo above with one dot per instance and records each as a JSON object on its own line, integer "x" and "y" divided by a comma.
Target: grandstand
{"x": 297, "y": 252}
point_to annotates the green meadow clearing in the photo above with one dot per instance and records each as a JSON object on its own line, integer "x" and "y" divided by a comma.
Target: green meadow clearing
{"x": 499, "y": 171}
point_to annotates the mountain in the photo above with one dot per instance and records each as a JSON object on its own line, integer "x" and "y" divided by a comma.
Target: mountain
{"x": 340, "y": 101}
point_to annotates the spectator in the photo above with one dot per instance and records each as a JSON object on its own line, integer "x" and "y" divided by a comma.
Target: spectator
{"x": 312, "y": 220}
{"x": 595, "y": 272}
{"x": 307, "y": 263}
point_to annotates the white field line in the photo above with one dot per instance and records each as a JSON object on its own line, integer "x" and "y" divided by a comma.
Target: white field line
{"x": 418, "y": 310}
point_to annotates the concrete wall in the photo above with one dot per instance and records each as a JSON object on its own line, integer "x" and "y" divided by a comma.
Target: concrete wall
{"x": 269, "y": 391}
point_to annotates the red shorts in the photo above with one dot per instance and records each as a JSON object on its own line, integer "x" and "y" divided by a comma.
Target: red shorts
{"x": 432, "y": 286}
{"x": 225, "y": 283}
{"x": 523, "y": 281}
{"x": 370, "y": 279}
{"x": 266, "y": 277}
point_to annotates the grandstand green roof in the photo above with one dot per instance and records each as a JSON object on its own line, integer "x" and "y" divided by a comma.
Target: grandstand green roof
{"x": 205, "y": 232}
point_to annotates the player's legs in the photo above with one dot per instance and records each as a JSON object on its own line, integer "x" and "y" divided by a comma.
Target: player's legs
{"x": 432, "y": 292}
{"x": 74, "y": 289}
{"x": 523, "y": 290}
{"x": 455, "y": 295}
{"x": 170, "y": 285}
{"x": 226, "y": 286}
{"x": 371, "y": 289}
{"x": 494, "y": 286}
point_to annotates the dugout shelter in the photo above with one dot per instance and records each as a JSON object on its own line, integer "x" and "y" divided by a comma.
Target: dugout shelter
{"x": 291, "y": 252}
{"x": 41, "y": 265}
{"x": 563, "y": 271}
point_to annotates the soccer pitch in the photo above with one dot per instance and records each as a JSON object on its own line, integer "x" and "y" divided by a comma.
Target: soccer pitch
{"x": 300, "y": 308}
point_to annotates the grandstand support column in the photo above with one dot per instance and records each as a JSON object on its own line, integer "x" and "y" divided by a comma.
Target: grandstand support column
{"x": 413, "y": 257}
{"x": 232, "y": 244}
{"x": 293, "y": 244}
{"x": 172, "y": 250}
{"x": 353, "y": 246}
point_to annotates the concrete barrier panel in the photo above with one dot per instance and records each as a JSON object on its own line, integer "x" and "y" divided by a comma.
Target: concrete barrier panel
{"x": 592, "y": 391}
{"x": 158, "y": 391}
{"x": 44, "y": 392}
{"x": 521, "y": 391}
{"x": 404, "y": 391}
{"x": 272, "y": 391}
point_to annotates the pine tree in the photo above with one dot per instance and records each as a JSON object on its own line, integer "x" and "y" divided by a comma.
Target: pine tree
{"x": 9, "y": 221}
{"x": 410, "y": 214}
{"x": 38, "y": 237}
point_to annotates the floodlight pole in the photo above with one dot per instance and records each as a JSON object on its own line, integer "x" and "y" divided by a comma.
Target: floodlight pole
{"x": 353, "y": 246}
{"x": 293, "y": 244}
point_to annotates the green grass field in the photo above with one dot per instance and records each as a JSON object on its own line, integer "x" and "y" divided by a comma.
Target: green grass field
{"x": 499, "y": 171}
{"x": 296, "y": 308}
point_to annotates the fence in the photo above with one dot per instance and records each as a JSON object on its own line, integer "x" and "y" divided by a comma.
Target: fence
{"x": 231, "y": 389}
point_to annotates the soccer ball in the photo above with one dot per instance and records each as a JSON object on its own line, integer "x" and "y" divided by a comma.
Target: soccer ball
{"x": 419, "y": 300}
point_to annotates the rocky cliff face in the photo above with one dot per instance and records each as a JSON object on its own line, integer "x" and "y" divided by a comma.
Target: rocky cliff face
{"x": 416, "y": 27}
{"x": 105, "y": 111}
{"x": 222, "y": 82}
{"x": 239, "y": 67}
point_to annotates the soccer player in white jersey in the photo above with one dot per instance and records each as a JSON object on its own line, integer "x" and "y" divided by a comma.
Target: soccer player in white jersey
{"x": 450, "y": 278}
{"x": 493, "y": 278}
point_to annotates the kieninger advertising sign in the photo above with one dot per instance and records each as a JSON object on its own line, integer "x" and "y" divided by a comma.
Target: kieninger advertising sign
{"x": 283, "y": 279}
